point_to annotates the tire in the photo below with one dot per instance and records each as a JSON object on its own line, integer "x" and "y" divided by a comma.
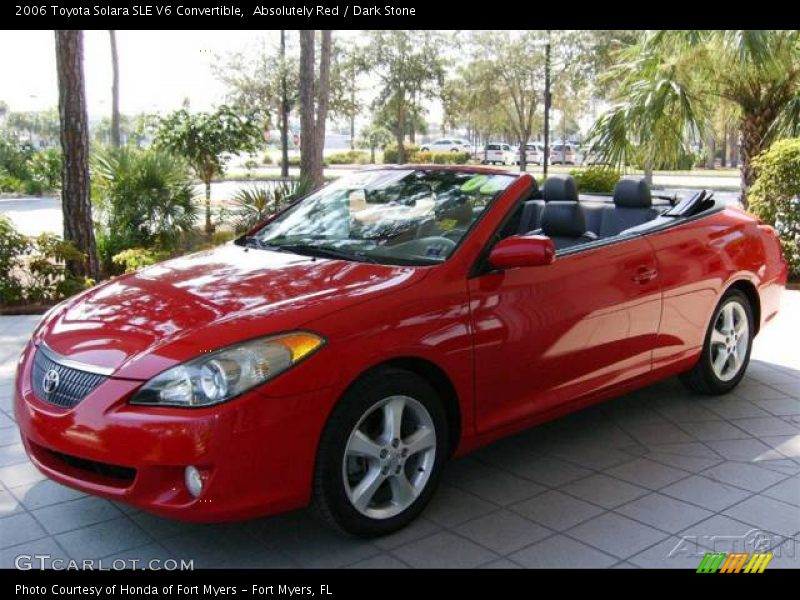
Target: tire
{"x": 356, "y": 447}
{"x": 705, "y": 377}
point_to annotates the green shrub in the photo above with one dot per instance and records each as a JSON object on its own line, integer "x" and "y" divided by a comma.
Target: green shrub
{"x": 420, "y": 157}
{"x": 294, "y": 161}
{"x": 222, "y": 236}
{"x": 11, "y": 184}
{"x": 133, "y": 259}
{"x": 685, "y": 162}
{"x": 351, "y": 157}
{"x": 45, "y": 170}
{"x": 32, "y": 270}
{"x": 49, "y": 280}
{"x": 599, "y": 180}
{"x": 390, "y": 155}
{"x": 144, "y": 199}
{"x": 775, "y": 196}
{"x": 256, "y": 203}
{"x": 450, "y": 158}
{"x": 23, "y": 170}
{"x": 266, "y": 160}
{"x": 13, "y": 248}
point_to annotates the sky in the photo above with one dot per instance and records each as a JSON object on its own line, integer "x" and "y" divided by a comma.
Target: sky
{"x": 158, "y": 69}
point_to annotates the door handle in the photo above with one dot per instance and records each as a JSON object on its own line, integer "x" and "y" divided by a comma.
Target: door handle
{"x": 644, "y": 275}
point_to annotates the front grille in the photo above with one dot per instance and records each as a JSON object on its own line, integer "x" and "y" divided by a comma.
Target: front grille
{"x": 73, "y": 384}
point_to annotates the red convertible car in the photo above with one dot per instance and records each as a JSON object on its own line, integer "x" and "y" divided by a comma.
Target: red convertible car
{"x": 339, "y": 353}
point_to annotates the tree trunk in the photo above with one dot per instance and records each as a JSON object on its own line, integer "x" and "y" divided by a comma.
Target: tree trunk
{"x": 648, "y": 173}
{"x": 724, "y": 150}
{"x": 312, "y": 136}
{"x": 115, "y": 137}
{"x": 284, "y": 111}
{"x": 307, "y": 136}
{"x": 523, "y": 156}
{"x": 401, "y": 148}
{"x": 711, "y": 150}
{"x": 733, "y": 145}
{"x": 323, "y": 98}
{"x": 209, "y": 224}
{"x": 353, "y": 111}
{"x": 753, "y": 129}
{"x": 74, "y": 132}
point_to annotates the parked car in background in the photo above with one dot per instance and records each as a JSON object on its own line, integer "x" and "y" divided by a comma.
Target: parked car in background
{"x": 447, "y": 145}
{"x": 563, "y": 154}
{"x": 499, "y": 154}
{"x": 534, "y": 153}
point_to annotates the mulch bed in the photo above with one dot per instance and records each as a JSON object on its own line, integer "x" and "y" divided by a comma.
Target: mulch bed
{"x": 24, "y": 309}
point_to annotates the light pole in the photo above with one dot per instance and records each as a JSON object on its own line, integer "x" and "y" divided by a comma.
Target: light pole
{"x": 547, "y": 100}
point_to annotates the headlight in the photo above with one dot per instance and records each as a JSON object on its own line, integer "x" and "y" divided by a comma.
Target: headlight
{"x": 223, "y": 374}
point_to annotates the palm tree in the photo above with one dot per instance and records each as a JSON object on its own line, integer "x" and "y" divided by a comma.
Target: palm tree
{"x": 671, "y": 82}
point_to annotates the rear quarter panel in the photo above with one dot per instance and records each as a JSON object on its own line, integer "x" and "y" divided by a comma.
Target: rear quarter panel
{"x": 698, "y": 261}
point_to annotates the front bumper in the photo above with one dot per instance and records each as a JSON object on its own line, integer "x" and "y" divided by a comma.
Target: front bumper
{"x": 256, "y": 452}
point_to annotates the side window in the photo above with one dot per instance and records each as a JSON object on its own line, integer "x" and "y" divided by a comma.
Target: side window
{"x": 512, "y": 225}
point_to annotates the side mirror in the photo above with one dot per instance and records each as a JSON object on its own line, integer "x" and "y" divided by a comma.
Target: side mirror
{"x": 522, "y": 251}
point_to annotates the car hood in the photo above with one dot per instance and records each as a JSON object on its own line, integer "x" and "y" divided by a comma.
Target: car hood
{"x": 142, "y": 323}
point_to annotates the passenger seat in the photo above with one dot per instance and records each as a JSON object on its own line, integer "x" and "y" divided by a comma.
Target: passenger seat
{"x": 633, "y": 205}
{"x": 565, "y": 224}
{"x": 556, "y": 189}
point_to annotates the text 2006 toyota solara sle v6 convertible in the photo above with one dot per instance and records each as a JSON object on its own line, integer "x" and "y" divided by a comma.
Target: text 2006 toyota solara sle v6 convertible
{"x": 341, "y": 352}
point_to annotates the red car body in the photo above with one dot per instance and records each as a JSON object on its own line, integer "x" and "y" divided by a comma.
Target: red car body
{"x": 505, "y": 350}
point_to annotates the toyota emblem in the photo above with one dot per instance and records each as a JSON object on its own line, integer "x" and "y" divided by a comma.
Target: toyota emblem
{"x": 50, "y": 381}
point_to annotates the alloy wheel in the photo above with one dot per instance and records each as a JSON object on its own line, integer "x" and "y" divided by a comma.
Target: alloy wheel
{"x": 389, "y": 457}
{"x": 730, "y": 338}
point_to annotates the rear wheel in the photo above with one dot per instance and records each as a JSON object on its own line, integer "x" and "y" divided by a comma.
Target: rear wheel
{"x": 726, "y": 351}
{"x": 381, "y": 454}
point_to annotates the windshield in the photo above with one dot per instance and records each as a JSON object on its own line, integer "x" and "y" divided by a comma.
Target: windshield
{"x": 392, "y": 216}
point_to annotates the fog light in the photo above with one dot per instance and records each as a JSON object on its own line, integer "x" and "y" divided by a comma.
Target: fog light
{"x": 193, "y": 480}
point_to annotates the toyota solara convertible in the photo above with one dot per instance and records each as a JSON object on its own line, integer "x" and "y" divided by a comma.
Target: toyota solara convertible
{"x": 339, "y": 353}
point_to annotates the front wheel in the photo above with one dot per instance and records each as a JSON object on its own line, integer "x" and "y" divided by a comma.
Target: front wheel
{"x": 726, "y": 351}
{"x": 381, "y": 454}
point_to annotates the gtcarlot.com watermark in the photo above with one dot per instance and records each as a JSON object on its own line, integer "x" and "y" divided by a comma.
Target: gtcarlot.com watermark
{"x": 29, "y": 562}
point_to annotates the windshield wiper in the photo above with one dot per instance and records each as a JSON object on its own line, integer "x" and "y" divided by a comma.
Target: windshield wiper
{"x": 324, "y": 252}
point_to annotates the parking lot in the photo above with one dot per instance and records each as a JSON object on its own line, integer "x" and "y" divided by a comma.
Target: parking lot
{"x": 652, "y": 479}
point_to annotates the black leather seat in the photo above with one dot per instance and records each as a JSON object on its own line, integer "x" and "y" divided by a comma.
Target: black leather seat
{"x": 565, "y": 224}
{"x": 633, "y": 205}
{"x": 556, "y": 189}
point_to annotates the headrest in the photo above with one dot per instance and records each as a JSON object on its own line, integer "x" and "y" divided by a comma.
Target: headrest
{"x": 563, "y": 219}
{"x": 560, "y": 188}
{"x": 633, "y": 193}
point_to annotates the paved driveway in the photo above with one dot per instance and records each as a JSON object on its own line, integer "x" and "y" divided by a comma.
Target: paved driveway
{"x": 652, "y": 479}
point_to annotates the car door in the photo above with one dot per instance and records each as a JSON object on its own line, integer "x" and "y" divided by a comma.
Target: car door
{"x": 547, "y": 335}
